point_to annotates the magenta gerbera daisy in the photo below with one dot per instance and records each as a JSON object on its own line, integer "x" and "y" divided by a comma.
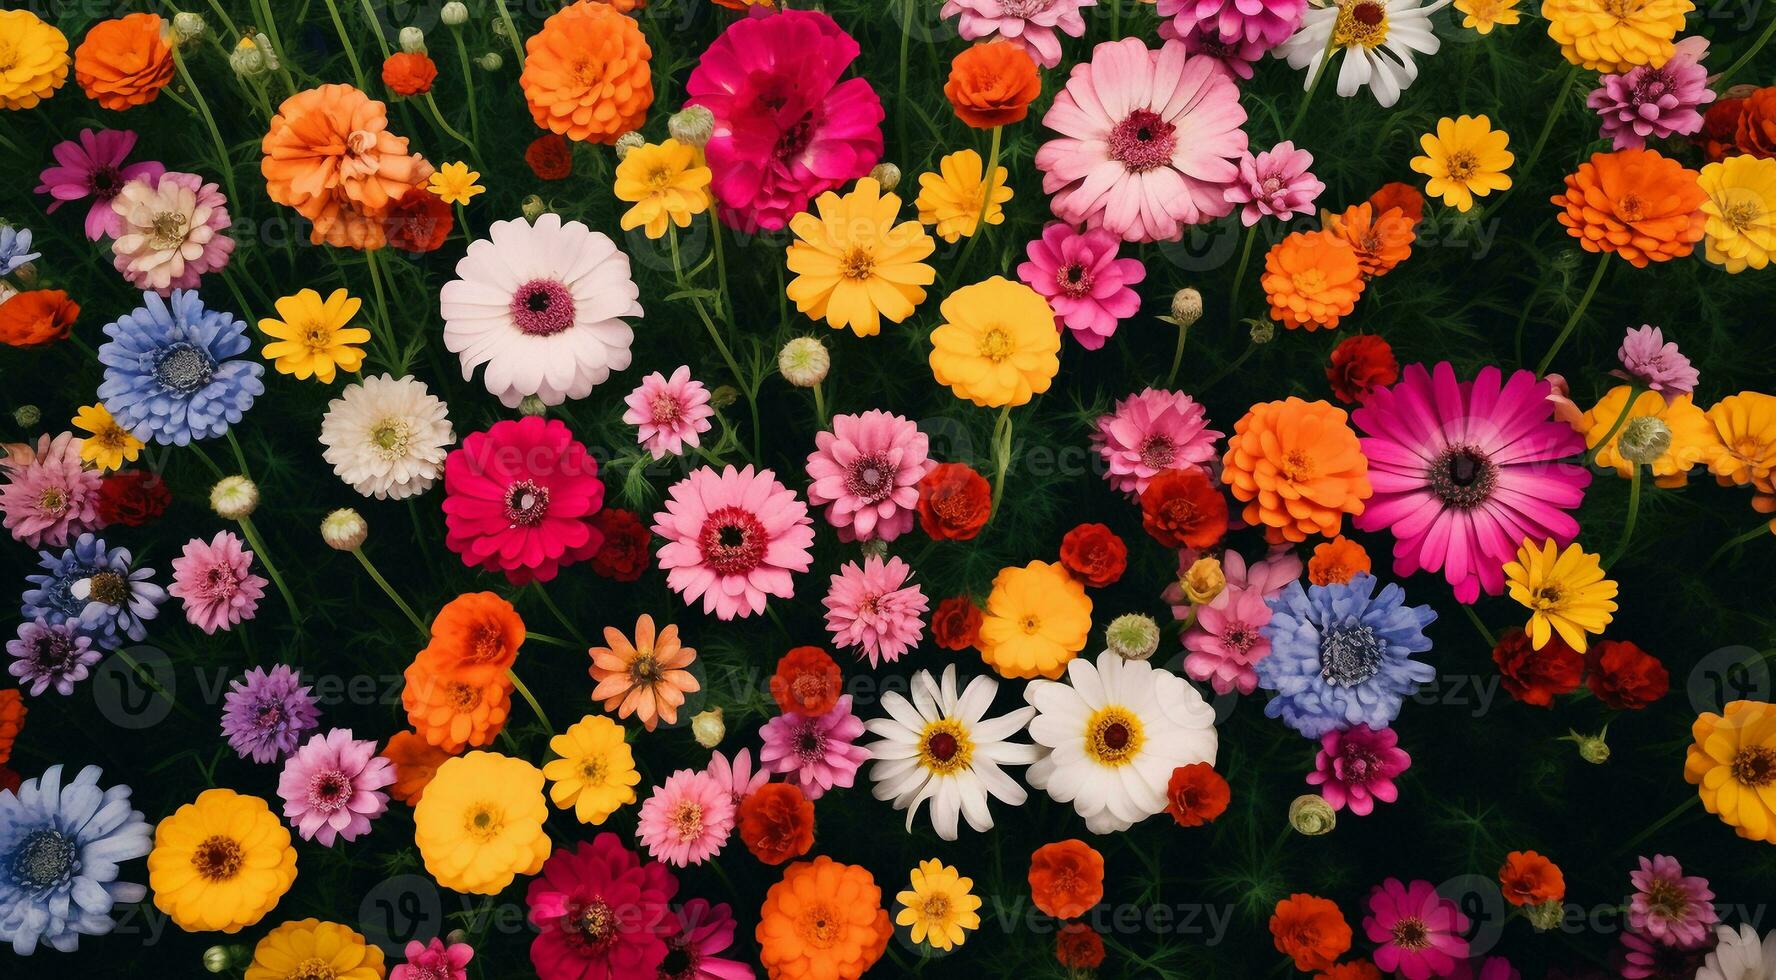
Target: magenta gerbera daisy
{"x": 873, "y": 608}
{"x": 1356, "y": 766}
{"x": 866, "y": 473}
{"x": 332, "y": 787}
{"x": 688, "y": 818}
{"x": 520, "y": 498}
{"x": 733, "y": 538}
{"x": 1419, "y": 932}
{"x": 816, "y": 752}
{"x": 669, "y": 413}
{"x": 1465, "y": 471}
{"x": 50, "y": 497}
{"x": 600, "y": 912}
{"x": 215, "y": 580}
{"x": 1150, "y": 431}
{"x": 1083, "y": 280}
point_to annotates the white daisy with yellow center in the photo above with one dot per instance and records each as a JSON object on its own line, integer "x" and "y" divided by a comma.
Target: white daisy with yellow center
{"x": 1378, "y": 38}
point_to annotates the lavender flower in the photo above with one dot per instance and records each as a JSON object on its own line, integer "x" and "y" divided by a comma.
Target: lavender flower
{"x": 1649, "y": 359}
{"x": 265, "y": 714}
{"x": 50, "y": 654}
{"x": 1658, "y": 102}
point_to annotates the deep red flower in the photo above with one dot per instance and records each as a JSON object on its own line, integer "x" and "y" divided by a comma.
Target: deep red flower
{"x": 956, "y": 623}
{"x": 1536, "y": 676}
{"x": 1720, "y": 130}
{"x": 133, "y": 498}
{"x": 1361, "y": 364}
{"x": 1184, "y": 509}
{"x": 624, "y": 554}
{"x": 808, "y": 682}
{"x": 1079, "y": 947}
{"x": 1624, "y": 676}
{"x": 1094, "y": 554}
{"x": 954, "y": 502}
{"x": 776, "y": 822}
{"x": 550, "y": 157}
{"x": 1196, "y": 794}
{"x": 419, "y": 222}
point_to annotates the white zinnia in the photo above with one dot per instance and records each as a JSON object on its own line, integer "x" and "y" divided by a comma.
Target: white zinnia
{"x": 1740, "y": 956}
{"x": 1378, "y": 39}
{"x": 1114, "y": 732}
{"x": 387, "y": 437}
{"x": 943, "y": 748}
{"x": 539, "y": 305}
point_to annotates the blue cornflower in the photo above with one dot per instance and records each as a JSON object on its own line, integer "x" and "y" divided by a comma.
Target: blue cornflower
{"x": 1340, "y": 655}
{"x": 119, "y": 600}
{"x": 170, "y": 375}
{"x": 15, "y": 249}
{"x": 50, "y": 596}
{"x": 59, "y": 851}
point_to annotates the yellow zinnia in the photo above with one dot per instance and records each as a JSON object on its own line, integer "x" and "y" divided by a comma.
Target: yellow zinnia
{"x": 1688, "y": 427}
{"x": 940, "y": 907}
{"x": 1733, "y": 767}
{"x": 596, "y": 772}
{"x": 1465, "y": 158}
{"x": 1741, "y": 212}
{"x": 1742, "y": 447}
{"x": 998, "y": 345}
{"x": 480, "y": 823}
{"x": 312, "y": 337}
{"x": 220, "y": 862}
{"x": 1564, "y": 591}
{"x": 33, "y": 59}
{"x": 951, "y": 198}
{"x": 666, "y": 182}
{"x": 854, "y": 265}
{"x": 312, "y": 948}
{"x": 455, "y": 183}
{"x": 1037, "y": 620}
{"x": 108, "y": 445}
{"x": 1615, "y": 35}
{"x": 1481, "y": 16}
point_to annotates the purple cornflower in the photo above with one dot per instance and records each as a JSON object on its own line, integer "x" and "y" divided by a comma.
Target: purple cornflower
{"x": 265, "y": 714}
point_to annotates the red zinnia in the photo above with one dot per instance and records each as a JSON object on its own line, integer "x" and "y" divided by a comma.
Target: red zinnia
{"x": 624, "y": 554}
{"x": 1622, "y": 675}
{"x": 1361, "y": 364}
{"x": 956, "y": 623}
{"x": 1183, "y": 509}
{"x": 807, "y": 682}
{"x": 954, "y": 502}
{"x": 133, "y": 498}
{"x": 1094, "y": 554}
{"x": 1536, "y": 676}
{"x": 419, "y": 221}
{"x": 409, "y": 73}
{"x": 1196, "y": 794}
{"x": 550, "y": 157}
{"x": 777, "y": 822}
{"x": 1079, "y": 947}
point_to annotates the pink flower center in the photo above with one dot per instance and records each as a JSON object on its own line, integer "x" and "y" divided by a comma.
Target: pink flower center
{"x": 542, "y": 308}
{"x": 1142, "y": 141}
{"x": 329, "y": 790}
{"x": 1075, "y": 280}
{"x": 526, "y": 503}
{"x": 732, "y": 541}
{"x": 871, "y": 478}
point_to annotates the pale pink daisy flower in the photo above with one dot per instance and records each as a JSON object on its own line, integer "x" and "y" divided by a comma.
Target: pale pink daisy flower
{"x": 669, "y": 413}
{"x": 1668, "y": 906}
{"x": 733, "y": 538}
{"x": 1275, "y": 183}
{"x": 1647, "y": 357}
{"x": 216, "y": 581}
{"x": 49, "y": 497}
{"x": 873, "y": 607}
{"x": 816, "y": 752}
{"x": 1356, "y": 766}
{"x": 332, "y": 787}
{"x": 1150, "y": 431}
{"x": 1083, "y": 280}
{"x": 170, "y": 231}
{"x": 1148, "y": 140}
{"x": 737, "y": 776}
{"x": 1227, "y": 640}
{"x": 866, "y": 472}
{"x": 687, "y": 820}
{"x": 1030, "y": 23}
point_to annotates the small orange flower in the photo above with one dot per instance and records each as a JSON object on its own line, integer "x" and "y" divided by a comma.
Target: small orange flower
{"x": 416, "y": 762}
{"x": 1298, "y": 466}
{"x": 1311, "y": 931}
{"x": 824, "y": 919}
{"x": 125, "y": 61}
{"x": 1382, "y": 239}
{"x": 409, "y": 73}
{"x": 992, "y": 84}
{"x": 451, "y": 713}
{"x": 1311, "y": 279}
{"x": 646, "y": 678}
{"x": 12, "y": 720}
{"x": 1527, "y": 878}
{"x": 1066, "y": 878}
{"x": 475, "y": 638}
{"x": 1636, "y": 203}
{"x": 1336, "y": 561}
{"x": 586, "y": 74}
{"x": 37, "y": 317}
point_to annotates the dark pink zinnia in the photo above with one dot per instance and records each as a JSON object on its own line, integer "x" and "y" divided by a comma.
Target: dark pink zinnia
{"x": 601, "y": 912}
{"x": 1357, "y": 766}
{"x": 1083, "y": 280}
{"x": 520, "y": 498}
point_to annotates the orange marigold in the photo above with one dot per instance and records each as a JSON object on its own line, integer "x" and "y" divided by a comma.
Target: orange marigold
{"x": 586, "y": 74}
{"x": 992, "y": 84}
{"x": 1381, "y": 241}
{"x": 1336, "y": 561}
{"x": 1066, "y": 878}
{"x": 1311, "y": 931}
{"x": 37, "y": 316}
{"x": 451, "y": 713}
{"x": 824, "y": 919}
{"x": 475, "y": 638}
{"x": 1298, "y": 466}
{"x": 1311, "y": 279}
{"x": 1527, "y": 878}
{"x": 12, "y": 720}
{"x": 125, "y": 61}
{"x": 329, "y": 155}
{"x": 416, "y": 762}
{"x": 1636, "y": 203}
{"x": 409, "y": 73}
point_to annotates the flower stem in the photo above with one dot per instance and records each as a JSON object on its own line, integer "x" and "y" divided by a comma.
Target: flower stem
{"x": 389, "y": 590}
{"x": 1720, "y": 81}
{"x": 1577, "y": 313}
{"x": 203, "y": 109}
{"x": 980, "y": 219}
{"x": 1474, "y": 617}
{"x": 258, "y": 545}
{"x": 1233, "y": 290}
{"x": 542, "y": 716}
{"x": 511, "y": 31}
{"x": 1760, "y": 531}
{"x": 1633, "y": 512}
{"x": 1001, "y": 457}
{"x": 1621, "y": 420}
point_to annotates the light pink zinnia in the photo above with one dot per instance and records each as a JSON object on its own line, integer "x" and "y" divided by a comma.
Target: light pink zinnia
{"x": 687, "y": 819}
{"x": 1264, "y": 22}
{"x": 1668, "y": 906}
{"x": 1030, "y": 23}
{"x": 94, "y": 167}
{"x": 866, "y": 472}
{"x": 1275, "y": 183}
{"x": 332, "y": 787}
{"x": 1357, "y": 766}
{"x": 170, "y": 231}
{"x": 872, "y": 607}
{"x": 215, "y": 579}
{"x": 1227, "y": 640}
{"x": 1150, "y": 431}
{"x": 733, "y": 538}
{"x": 1148, "y": 141}
{"x": 1083, "y": 280}
{"x": 1658, "y": 102}
{"x": 737, "y": 776}
{"x": 1419, "y": 931}
{"x": 50, "y": 497}
{"x": 1647, "y": 357}
{"x": 816, "y": 752}
{"x": 669, "y": 413}
{"x": 436, "y": 960}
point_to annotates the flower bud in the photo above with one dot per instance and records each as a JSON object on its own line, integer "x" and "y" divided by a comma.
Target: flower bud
{"x": 234, "y": 497}
{"x": 344, "y": 529}
{"x": 491, "y": 61}
{"x": 708, "y": 728}
{"x": 1187, "y": 307}
{"x": 803, "y": 362}
{"x": 533, "y": 207}
{"x": 189, "y": 27}
{"x": 723, "y": 396}
{"x": 1644, "y": 438}
{"x": 1263, "y": 332}
{"x": 533, "y": 406}
{"x": 1545, "y": 915}
{"x": 27, "y": 415}
{"x": 413, "y": 40}
{"x": 1132, "y": 636}
{"x": 1312, "y": 816}
{"x": 1203, "y": 580}
{"x": 454, "y": 14}
{"x": 629, "y": 141}
{"x": 886, "y": 174}
{"x": 692, "y": 125}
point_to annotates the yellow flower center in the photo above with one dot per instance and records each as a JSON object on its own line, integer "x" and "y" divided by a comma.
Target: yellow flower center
{"x": 484, "y": 821}
{"x": 1461, "y": 166}
{"x": 857, "y": 264}
{"x": 1113, "y": 736}
{"x": 218, "y": 858}
{"x": 313, "y": 968}
{"x": 1755, "y": 766}
{"x": 995, "y": 344}
{"x": 1360, "y": 24}
{"x": 944, "y": 747}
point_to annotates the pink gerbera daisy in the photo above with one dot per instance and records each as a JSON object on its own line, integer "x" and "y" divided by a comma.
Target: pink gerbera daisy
{"x": 1465, "y": 471}
{"x": 1150, "y": 431}
{"x": 1227, "y": 640}
{"x": 1419, "y": 931}
{"x": 733, "y": 538}
{"x": 49, "y": 497}
{"x": 786, "y": 127}
{"x": 215, "y": 579}
{"x": 1357, "y": 766}
{"x": 871, "y": 606}
{"x": 600, "y": 912}
{"x": 1030, "y": 23}
{"x": 94, "y": 167}
{"x": 1148, "y": 141}
{"x": 1275, "y": 183}
{"x": 737, "y": 777}
{"x": 1081, "y": 277}
{"x": 1668, "y": 906}
{"x": 687, "y": 819}
{"x": 704, "y": 930}
{"x": 434, "y": 960}
{"x": 520, "y": 498}
{"x": 332, "y": 787}
{"x": 816, "y": 752}
{"x": 866, "y": 472}
{"x": 1648, "y": 358}
{"x": 669, "y": 413}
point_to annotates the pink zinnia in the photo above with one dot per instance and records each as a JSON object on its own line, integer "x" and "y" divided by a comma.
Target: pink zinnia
{"x": 215, "y": 579}
{"x": 1669, "y": 907}
{"x": 871, "y": 606}
{"x": 50, "y": 497}
{"x": 1357, "y": 766}
{"x": 669, "y": 413}
{"x": 332, "y": 787}
{"x": 786, "y": 127}
{"x": 1264, "y": 22}
{"x": 1647, "y": 357}
{"x": 1465, "y": 471}
{"x": 866, "y": 473}
{"x": 436, "y": 960}
{"x": 1227, "y": 640}
{"x": 1148, "y": 141}
{"x": 1275, "y": 183}
{"x": 520, "y": 498}
{"x": 1419, "y": 931}
{"x": 1083, "y": 280}
{"x": 736, "y": 777}
{"x": 1151, "y": 431}
{"x": 1030, "y": 23}
{"x": 703, "y": 931}
{"x": 1658, "y": 102}
{"x": 687, "y": 819}
{"x": 94, "y": 167}
{"x": 733, "y": 538}
{"x": 816, "y": 752}
{"x": 600, "y": 912}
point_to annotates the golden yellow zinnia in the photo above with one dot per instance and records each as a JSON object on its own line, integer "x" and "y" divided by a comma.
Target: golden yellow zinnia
{"x": 221, "y": 862}
{"x": 455, "y": 183}
{"x": 1037, "y": 620}
{"x": 1464, "y": 159}
{"x": 106, "y": 445}
{"x": 311, "y": 948}
{"x": 480, "y": 823}
{"x": 854, "y": 265}
{"x": 998, "y": 345}
{"x": 1564, "y": 591}
{"x": 596, "y": 772}
{"x": 1481, "y": 16}
{"x": 1742, "y": 447}
{"x": 312, "y": 338}
{"x": 1733, "y": 767}
{"x": 941, "y": 906}
{"x": 33, "y": 59}
{"x": 1615, "y": 35}
{"x": 666, "y": 182}
{"x": 1740, "y": 231}
{"x": 951, "y": 198}
{"x": 1688, "y": 428}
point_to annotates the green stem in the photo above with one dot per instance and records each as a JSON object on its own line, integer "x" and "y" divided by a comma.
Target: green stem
{"x": 1719, "y": 82}
{"x": 1621, "y": 420}
{"x": 1474, "y": 617}
{"x": 389, "y": 590}
{"x": 1761, "y": 531}
{"x": 345, "y": 41}
{"x": 258, "y": 545}
{"x": 203, "y": 108}
{"x": 1633, "y": 512}
{"x": 988, "y": 180}
{"x": 1578, "y": 311}
{"x": 542, "y": 716}
{"x": 511, "y": 31}
{"x": 1239, "y": 279}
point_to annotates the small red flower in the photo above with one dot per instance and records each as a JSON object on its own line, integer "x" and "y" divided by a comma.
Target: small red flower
{"x": 1624, "y": 676}
{"x": 624, "y": 554}
{"x": 1079, "y": 947}
{"x": 1536, "y": 676}
{"x": 807, "y": 682}
{"x": 550, "y": 157}
{"x": 409, "y": 73}
{"x": 419, "y": 222}
{"x": 1196, "y": 794}
{"x": 954, "y": 502}
{"x": 1184, "y": 509}
{"x": 956, "y": 623}
{"x": 133, "y": 498}
{"x": 1094, "y": 554}
{"x": 1361, "y": 364}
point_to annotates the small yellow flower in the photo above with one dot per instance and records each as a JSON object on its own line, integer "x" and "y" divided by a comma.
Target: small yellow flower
{"x": 665, "y": 182}
{"x": 312, "y": 337}
{"x": 595, "y": 775}
{"x": 1465, "y": 158}
{"x": 1564, "y": 591}
{"x": 941, "y": 906}
{"x": 951, "y": 199}
{"x": 1741, "y": 212}
{"x": 1481, "y": 16}
{"x": 110, "y": 445}
{"x": 454, "y": 183}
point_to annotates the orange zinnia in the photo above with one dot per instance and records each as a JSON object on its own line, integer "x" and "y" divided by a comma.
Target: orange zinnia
{"x": 1381, "y": 241}
{"x": 1298, "y": 466}
{"x": 409, "y": 73}
{"x": 124, "y": 62}
{"x": 646, "y": 678}
{"x": 586, "y": 74}
{"x": 329, "y": 155}
{"x": 1527, "y": 878}
{"x": 1636, "y": 203}
{"x": 12, "y": 720}
{"x": 451, "y": 713}
{"x": 1336, "y": 561}
{"x": 1311, "y": 279}
{"x": 1066, "y": 878}
{"x": 37, "y": 316}
{"x": 1311, "y": 931}
{"x": 824, "y": 919}
{"x": 416, "y": 762}
{"x": 992, "y": 84}
{"x": 475, "y": 638}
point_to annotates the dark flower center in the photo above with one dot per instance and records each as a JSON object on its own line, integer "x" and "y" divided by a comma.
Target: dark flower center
{"x": 1350, "y": 654}
{"x": 1463, "y": 477}
{"x": 1142, "y": 141}
{"x": 526, "y": 503}
{"x": 44, "y": 858}
{"x": 184, "y": 368}
{"x": 732, "y": 541}
{"x": 542, "y": 308}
